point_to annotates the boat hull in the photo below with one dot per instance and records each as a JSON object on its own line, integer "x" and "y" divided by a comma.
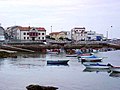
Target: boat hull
{"x": 115, "y": 69}
{"x": 95, "y": 66}
{"x": 57, "y": 62}
{"x": 91, "y": 59}
{"x": 73, "y": 55}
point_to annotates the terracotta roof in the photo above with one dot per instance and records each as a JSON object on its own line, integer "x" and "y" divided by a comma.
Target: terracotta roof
{"x": 41, "y": 29}
{"x": 24, "y": 28}
{"x": 28, "y": 28}
{"x": 54, "y": 33}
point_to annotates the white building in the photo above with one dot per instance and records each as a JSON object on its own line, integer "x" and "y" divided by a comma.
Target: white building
{"x": 67, "y": 34}
{"x": 27, "y": 33}
{"x": 78, "y": 33}
{"x": 2, "y": 37}
{"x": 92, "y": 35}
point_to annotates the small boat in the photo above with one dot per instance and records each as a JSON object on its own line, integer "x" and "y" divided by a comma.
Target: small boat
{"x": 71, "y": 55}
{"x": 114, "y": 68}
{"x": 91, "y": 58}
{"x": 54, "y": 51}
{"x": 57, "y": 62}
{"x": 85, "y": 55}
{"x": 96, "y": 65}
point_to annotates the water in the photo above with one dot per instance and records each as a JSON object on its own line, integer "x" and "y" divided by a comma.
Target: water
{"x": 17, "y": 73}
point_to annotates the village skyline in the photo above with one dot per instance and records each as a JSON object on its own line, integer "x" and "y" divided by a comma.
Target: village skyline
{"x": 62, "y": 15}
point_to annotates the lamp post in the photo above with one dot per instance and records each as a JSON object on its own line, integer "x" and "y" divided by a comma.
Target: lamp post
{"x": 107, "y": 34}
{"x": 51, "y": 29}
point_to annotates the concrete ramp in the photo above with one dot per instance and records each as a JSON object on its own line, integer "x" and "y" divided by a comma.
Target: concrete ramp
{"x": 18, "y": 49}
{"x": 8, "y": 51}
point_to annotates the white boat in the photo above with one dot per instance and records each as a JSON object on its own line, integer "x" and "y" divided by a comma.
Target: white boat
{"x": 53, "y": 51}
{"x": 71, "y": 55}
{"x": 95, "y": 65}
{"x": 88, "y": 56}
{"x": 91, "y": 59}
{"x": 114, "y": 68}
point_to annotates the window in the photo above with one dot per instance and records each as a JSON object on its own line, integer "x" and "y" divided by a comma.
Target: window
{"x": 24, "y": 33}
{"x": 27, "y": 33}
{"x": 39, "y": 33}
{"x": 27, "y": 37}
{"x": 42, "y": 38}
{"x": 39, "y": 37}
{"x": 24, "y": 37}
{"x": 42, "y": 33}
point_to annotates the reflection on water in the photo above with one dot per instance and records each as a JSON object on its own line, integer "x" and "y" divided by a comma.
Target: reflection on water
{"x": 115, "y": 74}
{"x": 96, "y": 70}
{"x": 26, "y": 69}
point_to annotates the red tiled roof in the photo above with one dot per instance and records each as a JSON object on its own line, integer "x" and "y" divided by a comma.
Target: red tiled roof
{"x": 54, "y": 33}
{"x": 24, "y": 28}
{"x": 28, "y": 28}
{"x": 41, "y": 29}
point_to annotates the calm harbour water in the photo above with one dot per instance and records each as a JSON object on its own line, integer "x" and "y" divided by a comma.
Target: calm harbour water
{"x": 17, "y": 73}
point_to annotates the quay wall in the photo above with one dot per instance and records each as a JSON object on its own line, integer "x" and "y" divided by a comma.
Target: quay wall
{"x": 42, "y": 48}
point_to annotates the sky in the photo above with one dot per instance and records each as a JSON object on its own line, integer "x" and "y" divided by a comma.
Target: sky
{"x": 63, "y": 15}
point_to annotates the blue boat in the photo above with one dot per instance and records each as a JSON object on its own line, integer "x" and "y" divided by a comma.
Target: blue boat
{"x": 91, "y": 58}
{"x": 96, "y": 65}
{"x": 57, "y": 62}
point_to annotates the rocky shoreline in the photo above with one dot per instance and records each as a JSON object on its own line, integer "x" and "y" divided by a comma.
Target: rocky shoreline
{"x": 38, "y": 87}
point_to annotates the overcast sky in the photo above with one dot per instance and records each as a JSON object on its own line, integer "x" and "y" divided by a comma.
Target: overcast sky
{"x": 63, "y": 15}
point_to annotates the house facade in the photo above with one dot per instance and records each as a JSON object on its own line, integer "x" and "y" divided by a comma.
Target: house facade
{"x": 2, "y": 31}
{"x": 92, "y": 35}
{"x": 27, "y": 33}
{"x": 78, "y": 33}
{"x": 57, "y": 35}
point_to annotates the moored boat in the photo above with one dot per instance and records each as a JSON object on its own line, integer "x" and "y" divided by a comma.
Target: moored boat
{"x": 91, "y": 58}
{"x": 71, "y": 55}
{"x": 114, "y": 68}
{"x": 96, "y": 65}
{"x": 54, "y": 51}
{"x": 57, "y": 62}
{"x": 85, "y": 55}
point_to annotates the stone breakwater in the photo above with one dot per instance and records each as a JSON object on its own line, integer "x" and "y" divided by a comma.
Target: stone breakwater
{"x": 42, "y": 48}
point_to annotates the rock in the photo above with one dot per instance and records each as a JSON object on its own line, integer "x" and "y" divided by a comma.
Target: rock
{"x": 38, "y": 87}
